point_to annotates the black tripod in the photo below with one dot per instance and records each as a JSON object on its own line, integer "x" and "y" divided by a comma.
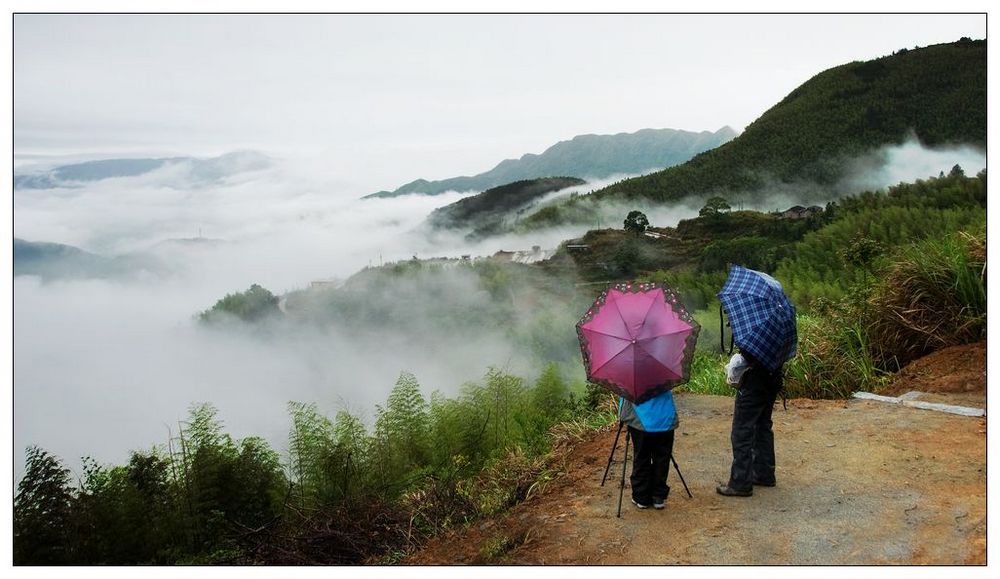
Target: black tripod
{"x": 621, "y": 486}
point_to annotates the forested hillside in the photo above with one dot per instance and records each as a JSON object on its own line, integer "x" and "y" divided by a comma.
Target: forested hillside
{"x": 485, "y": 213}
{"x": 937, "y": 93}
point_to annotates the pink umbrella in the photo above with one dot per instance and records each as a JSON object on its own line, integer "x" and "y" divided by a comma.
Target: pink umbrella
{"x": 638, "y": 340}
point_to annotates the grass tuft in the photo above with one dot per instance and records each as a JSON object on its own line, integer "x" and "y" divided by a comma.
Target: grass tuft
{"x": 933, "y": 295}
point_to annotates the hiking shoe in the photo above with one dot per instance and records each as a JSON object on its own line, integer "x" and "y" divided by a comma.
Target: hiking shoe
{"x": 764, "y": 483}
{"x": 660, "y": 502}
{"x": 728, "y": 491}
{"x": 639, "y": 505}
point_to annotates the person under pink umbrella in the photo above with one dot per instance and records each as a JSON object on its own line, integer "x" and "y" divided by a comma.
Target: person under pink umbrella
{"x": 651, "y": 426}
{"x": 638, "y": 341}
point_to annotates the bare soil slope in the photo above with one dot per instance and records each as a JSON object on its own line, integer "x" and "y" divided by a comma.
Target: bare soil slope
{"x": 859, "y": 482}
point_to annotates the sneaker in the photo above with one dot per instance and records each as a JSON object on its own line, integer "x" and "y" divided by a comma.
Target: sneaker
{"x": 639, "y": 505}
{"x": 728, "y": 491}
{"x": 659, "y": 505}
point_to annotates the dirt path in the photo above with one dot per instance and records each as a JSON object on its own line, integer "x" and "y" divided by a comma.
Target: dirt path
{"x": 859, "y": 482}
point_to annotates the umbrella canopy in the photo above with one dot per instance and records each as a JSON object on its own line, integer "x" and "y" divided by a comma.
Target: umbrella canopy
{"x": 637, "y": 340}
{"x": 762, "y": 318}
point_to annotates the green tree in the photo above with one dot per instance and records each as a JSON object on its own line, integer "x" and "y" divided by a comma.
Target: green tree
{"x": 311, "y": 447}
{"x": 550, "y": 396}
{"x": 129, "y": 514}
{"x": 753, "y": 252}
{"x": 226, "y": 484}
{"x": 497, "y": 413}
{"x": 401, "y": 433}
{"x": 636, "y": 222}
{"x": 43, "y": 512}
{"x": 453, "y": 431}
{"x": 861, "y": 253}
{"x": 255, "y": 304}
{"x": 714, "y": 207}
{"x": 351, "y": 441}
{"x": 627, "y": 258}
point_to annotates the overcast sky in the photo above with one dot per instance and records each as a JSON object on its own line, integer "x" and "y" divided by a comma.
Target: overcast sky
{"x": 384, "y": 99}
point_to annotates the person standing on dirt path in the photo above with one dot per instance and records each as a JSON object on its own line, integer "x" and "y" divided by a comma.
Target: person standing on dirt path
{"x": 651, "y": 426}
{"x": 752, "y": 437}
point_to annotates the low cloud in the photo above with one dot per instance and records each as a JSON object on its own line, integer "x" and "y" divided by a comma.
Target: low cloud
{"x": 910, "y": 161}
{"x": 103, "y": 366}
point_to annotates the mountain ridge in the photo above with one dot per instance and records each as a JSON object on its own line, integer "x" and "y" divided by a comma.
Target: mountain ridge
{"x": 203, "y": 170}
{"x": 586, "y": 156}
{"x": 52, "y": 261}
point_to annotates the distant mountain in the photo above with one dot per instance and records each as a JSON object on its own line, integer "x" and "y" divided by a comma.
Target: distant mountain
{"x": 587, "y": 156}
{"x": 198, "y": 170}
{"x": 487, "y": 210}
{"x": 59, "y": 261}
{"x": 936, "y": 93}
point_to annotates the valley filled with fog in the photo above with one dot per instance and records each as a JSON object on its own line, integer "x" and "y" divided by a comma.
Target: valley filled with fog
{"x": 104, "y": 364}
{"x": 109, "y": 363}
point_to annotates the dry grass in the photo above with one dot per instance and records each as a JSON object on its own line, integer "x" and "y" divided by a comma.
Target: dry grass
{"x": 932, "y": 296}
{"x": 833, "y": 360}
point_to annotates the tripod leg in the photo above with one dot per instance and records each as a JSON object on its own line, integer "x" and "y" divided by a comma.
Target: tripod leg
{"x": 678, "y": 469}
{"x": 621, "y": 487}
{"x": 613, "y": 448}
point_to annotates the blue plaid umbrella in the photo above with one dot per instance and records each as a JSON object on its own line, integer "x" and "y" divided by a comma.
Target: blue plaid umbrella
{"x": 762, "y": 318}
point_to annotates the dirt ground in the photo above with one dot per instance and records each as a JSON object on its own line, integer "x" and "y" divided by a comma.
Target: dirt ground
{"x": 859, "y": 482}
{"x": 955, "y": 375}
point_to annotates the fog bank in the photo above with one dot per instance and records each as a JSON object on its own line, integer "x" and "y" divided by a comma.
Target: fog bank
{"x": 106, "y": 365}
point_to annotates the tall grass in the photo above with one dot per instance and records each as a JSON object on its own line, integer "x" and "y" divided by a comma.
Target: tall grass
{"x": 708, "y": 375}
{"x": 833, "y": 360}
{"x": 932, "y": 295}
{"x": 927, "y": 296}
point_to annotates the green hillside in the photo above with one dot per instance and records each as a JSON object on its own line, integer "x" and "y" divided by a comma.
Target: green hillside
{"x": 937, "y": 93}
{"x": 485, "y": 212}
{"x": 54, "y": 261}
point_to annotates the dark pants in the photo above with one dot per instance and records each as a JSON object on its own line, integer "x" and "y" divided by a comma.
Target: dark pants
{"x": 752, "y": 437}
{"x": 651, "y": 465}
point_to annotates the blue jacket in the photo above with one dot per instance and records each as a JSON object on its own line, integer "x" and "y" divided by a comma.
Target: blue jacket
{"x": 654, "y": 415}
